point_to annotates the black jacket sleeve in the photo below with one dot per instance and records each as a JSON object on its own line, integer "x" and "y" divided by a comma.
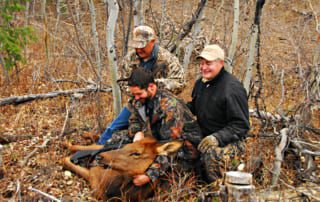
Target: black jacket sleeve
{"x": 237, "y": 112}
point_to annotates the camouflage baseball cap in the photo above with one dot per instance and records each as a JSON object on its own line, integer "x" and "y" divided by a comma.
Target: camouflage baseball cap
{"x": 142, "y": 35}
{"x": 212, "y": 52}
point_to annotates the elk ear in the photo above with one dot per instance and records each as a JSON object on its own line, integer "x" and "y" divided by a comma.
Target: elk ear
{"x": 169, "y": 147}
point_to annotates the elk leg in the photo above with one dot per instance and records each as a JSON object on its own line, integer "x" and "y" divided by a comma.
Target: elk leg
{"x": 88, "y": 147}
{"x": 83, "y": 172}
{"x": 74, "y": 148}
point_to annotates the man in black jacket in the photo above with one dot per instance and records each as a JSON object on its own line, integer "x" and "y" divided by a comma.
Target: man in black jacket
{"x": 220, "y": 103}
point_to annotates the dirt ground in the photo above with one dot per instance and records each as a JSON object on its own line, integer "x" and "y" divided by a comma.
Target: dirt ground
{"x": 33, "y": 158}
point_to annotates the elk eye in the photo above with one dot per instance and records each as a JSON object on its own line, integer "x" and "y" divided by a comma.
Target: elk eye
{"x": 135, "y": 154}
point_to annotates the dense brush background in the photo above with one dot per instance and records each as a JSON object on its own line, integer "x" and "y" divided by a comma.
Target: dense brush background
{"x": 62, "y": 59}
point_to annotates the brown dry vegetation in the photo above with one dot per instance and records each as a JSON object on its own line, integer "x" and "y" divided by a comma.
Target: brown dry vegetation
{"x": 288, "y": 41}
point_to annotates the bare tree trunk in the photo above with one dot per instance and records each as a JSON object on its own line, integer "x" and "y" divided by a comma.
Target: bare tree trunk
{"x": 95, "y": 39}
{"x": 26, "y": 23}
{"x": 98, "y": 60}
{"x": 190, "y": 47}
{"x": 46, "y": 38}
{"x": 125, "y": 30}
{"x": 253, "y": 42}
{"x": 5, "y": 71}
{"x": 186, "y": 28}
{"x": 252, "y": 46}
{"x": 113, "y": 11}
{"x": 315, "y": 74}
{"x": 214, "y": 20}
{"x": 234, "y": 40}
{"x": 137, "y": 12}
{"x": 43, "y": 8}
{"x": 279, "y": 150}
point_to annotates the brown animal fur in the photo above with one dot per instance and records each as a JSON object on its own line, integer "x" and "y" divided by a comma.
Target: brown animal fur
{"x": 132, "y": 159}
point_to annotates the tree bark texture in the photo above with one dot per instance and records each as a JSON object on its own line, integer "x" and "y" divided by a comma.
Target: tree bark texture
{"x": 196, "y": 31}
{"x": 26, "y": 98}
{"x": 112, "y": 58}
{"x": 234, "y": 39}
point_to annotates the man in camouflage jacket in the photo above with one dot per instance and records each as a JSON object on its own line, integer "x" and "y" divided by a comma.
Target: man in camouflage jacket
{"x": 147, "y": 54}
{"x": 160, "y": 114}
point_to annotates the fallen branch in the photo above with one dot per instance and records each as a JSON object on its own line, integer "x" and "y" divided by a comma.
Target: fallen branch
{"x": 65, "y": 121}
{"x": 25, "y": 160}
{"x": 279, "y": 150}
{"x": 44, "y": 194}
{"x": 26, "y": 98}
{"x": 7, "y": 138}
{"x": 268, "y": 115}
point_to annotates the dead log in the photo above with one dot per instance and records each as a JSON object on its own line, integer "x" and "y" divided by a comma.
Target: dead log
{"x": 7, "y": 138}
{"x": 15, "y": 100}
{"x": 279, "y": 152}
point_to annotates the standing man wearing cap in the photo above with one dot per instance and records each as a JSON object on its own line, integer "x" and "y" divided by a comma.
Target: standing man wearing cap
{"x": 147, "y": 54}
{"x": 220, "y": 103}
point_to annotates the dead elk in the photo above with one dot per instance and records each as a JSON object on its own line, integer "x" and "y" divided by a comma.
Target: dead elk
{"x": 116, "y": 180}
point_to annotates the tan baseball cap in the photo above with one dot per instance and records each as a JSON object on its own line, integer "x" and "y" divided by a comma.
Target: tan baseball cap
{"x": 142, "y": 35}
{"x": 212, "y": 52}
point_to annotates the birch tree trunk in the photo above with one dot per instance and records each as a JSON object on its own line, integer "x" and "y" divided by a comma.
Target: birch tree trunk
{"x": 234, "y": 40}
{"x": 43, "y": 8}
{"x": 214, "y": 20}
{"x": 98, "y": 60}
{"x": 137, "y": 12}
{"x": 279, "y": 152}
{"x": 5, "y": 71}
{"x": 196, "y": 30}
{"x": 252, "y": 46}
{"x": 26, "y": 23}
{"x": 253, "y": 42}
{"x": 113, "y": 11}
{"x": 95, "y": 39}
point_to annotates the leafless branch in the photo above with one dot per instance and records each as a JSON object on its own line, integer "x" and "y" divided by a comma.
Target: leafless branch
{"x": 25, "y": 160}
{"x": 44, "y": 194}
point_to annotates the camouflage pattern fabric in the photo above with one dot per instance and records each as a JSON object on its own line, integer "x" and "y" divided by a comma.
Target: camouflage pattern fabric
{"x": 171, "y": 78}
{"x": 173, "y": 121}
{"x": 221, "y": 159}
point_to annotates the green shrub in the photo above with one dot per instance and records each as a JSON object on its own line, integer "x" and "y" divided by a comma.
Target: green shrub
{"x": 13, "y": 38}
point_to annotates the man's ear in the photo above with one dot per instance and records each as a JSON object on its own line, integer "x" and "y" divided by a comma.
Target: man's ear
{"x": 169, "y": 148}
{"x": 222, "y": 62}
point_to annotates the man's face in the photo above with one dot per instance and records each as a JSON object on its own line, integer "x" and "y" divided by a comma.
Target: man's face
{"x": 210, "y": 69}
{"x": 139, "y": 94}
{"x": 145, "y": 52}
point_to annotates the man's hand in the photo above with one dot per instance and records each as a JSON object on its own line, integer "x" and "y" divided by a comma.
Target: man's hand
{"x": 140, "y": 180}
{"x": 207, "y": 143}
{"x": 138, "y": 136}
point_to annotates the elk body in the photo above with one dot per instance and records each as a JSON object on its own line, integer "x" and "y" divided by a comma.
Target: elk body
{"x": 123, "y": 164}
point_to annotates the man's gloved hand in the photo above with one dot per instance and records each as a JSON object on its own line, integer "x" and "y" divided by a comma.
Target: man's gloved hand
{"x": 208, "y": 143}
